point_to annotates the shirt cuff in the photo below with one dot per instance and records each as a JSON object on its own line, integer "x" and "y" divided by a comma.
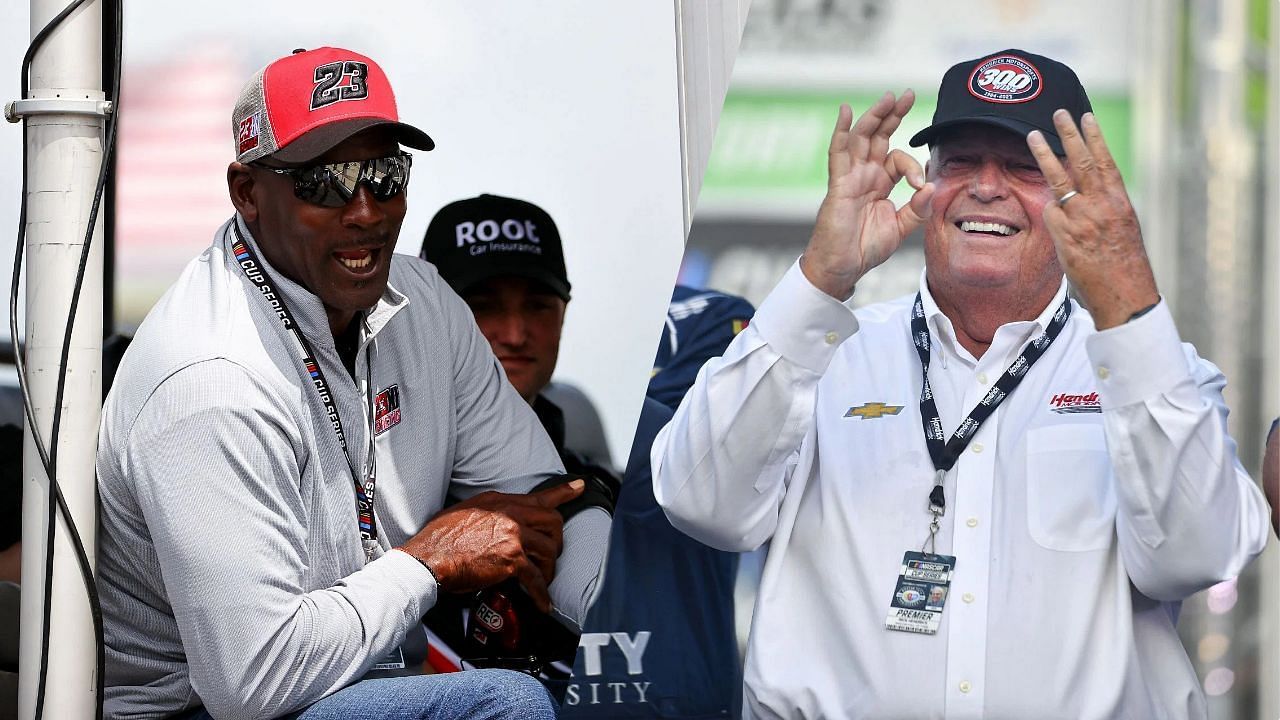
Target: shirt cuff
{"x": 1139, "y": 360}
{"x": 802, "y": 323}
{"x": 412, "y": 576}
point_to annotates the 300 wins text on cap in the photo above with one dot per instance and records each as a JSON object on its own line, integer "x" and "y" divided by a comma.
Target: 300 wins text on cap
{"x": 1012, "y": 89}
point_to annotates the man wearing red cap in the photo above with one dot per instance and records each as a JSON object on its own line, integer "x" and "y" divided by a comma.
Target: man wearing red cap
{"x": 984, "y": 500}
{"x": 286, "y": 427}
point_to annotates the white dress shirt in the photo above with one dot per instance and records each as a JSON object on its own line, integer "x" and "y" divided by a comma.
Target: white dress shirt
{"x": 1078, "y": 523}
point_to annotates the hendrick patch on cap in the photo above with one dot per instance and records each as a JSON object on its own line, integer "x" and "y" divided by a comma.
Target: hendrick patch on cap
{"x": 1012, "y": 89}
{"x": 490, "y": 235}
{"x": 1005, "y": 79}
{"x": 301, "y": 105}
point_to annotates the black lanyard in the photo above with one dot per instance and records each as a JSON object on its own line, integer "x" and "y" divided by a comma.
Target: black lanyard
{"x": 253, "y": 270}
{"x": 945, "y": 454}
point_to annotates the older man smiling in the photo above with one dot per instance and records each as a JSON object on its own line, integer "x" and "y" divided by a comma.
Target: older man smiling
{"x": 972, "y": 549}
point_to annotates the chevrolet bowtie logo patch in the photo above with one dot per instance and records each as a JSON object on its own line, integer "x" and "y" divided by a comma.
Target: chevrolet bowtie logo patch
{"x": 872, "y": 410}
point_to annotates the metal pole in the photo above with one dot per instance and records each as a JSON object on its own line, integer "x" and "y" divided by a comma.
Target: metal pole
{"x": 1156, "y": 60}
{"x": 1221, "y": 252}
{"x": 64, "y": 151}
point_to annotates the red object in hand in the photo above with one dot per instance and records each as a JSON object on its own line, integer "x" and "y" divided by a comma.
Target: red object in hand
{"x": 494, "y": 617}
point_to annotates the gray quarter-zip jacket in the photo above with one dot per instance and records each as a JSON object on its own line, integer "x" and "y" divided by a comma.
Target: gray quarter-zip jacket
{"x": 230, "y": 566}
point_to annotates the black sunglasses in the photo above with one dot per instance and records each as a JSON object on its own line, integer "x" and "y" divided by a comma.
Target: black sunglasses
{"x": 334, "y": 184}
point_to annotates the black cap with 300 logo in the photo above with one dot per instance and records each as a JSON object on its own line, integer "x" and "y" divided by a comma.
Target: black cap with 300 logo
{"x": 1012, "y": 89}
{"x": 490, "y": 235}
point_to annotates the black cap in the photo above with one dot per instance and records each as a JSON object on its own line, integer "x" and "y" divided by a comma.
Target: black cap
{"x": 490, "y": 235}
{"x": 1012, "y": 89}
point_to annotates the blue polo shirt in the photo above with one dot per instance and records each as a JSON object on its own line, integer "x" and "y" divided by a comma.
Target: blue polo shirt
{"x": 659, "y": 641}
{"x": 699, "y": 326}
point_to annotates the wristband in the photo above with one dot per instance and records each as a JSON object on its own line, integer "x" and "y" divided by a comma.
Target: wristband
{"x": 1143, "y": 311}
{"x": 430, "y": 572}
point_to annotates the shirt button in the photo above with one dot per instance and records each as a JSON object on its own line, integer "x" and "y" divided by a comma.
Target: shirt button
{"x": 971, "y": 522}
{"x": 1104, "y": 372}
{"x": 832, "y": 338}
{"x": 982, "y": 378}
{"x": 977, "y": 447}
{"x": 965, "y": 686}
{"x": 967, "y": 597}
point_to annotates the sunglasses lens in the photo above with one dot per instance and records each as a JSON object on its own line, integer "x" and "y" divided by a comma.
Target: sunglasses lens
{"x": 334, "y": 184}
{"x": 311, "y": 186}
{"x": 386, "y": 176}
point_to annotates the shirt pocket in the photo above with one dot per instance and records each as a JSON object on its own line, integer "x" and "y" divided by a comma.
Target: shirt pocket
{"x": 1071, "y": 499}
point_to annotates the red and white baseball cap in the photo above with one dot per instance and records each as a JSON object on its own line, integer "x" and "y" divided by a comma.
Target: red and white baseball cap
{"x": 300, "y": 106}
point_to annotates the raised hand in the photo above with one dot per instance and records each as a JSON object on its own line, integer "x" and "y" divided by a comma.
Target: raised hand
{"x": 488, "y": 538}
{"x": 858, "y": 227}
{"x": 1093, "y": 224}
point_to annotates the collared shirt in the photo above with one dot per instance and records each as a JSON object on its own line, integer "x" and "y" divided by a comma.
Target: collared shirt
{"x": 231, "y": 567}
{"x": 1103, "y": 491}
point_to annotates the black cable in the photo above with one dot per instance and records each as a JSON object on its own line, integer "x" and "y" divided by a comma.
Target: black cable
{"x": 95, "y": 602}
{"x": 49, "y": 460}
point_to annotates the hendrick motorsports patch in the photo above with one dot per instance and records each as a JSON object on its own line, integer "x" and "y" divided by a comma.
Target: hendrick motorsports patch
{"x": 1067, "y": 404}
{"x": 1005, "y": 79}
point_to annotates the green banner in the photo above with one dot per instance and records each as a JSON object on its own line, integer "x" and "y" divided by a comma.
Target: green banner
{"x": 774, "y": 143}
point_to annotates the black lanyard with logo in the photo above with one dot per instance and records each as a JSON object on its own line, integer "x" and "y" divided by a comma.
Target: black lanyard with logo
{"x": 924, "y": 580}
{"x": 253, "y": 270}
{"x": 945, "y": 454}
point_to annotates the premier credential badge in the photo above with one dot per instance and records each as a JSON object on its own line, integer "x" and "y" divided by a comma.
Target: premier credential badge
{"x": 921, "y": 592}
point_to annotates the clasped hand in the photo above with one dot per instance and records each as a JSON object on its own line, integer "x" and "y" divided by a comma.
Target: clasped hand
{"x": 493, "y": 536}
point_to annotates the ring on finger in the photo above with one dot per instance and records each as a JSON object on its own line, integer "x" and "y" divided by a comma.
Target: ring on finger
{"x": 1062, "y": 201}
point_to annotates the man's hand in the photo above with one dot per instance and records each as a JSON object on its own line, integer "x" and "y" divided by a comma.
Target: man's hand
{"x": 1096, "y": 231}
{"x": 858, "y": 228}
{"x": 486, "y": 539}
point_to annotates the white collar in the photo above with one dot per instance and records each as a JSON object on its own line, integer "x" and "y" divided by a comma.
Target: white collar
{"x": 1017, "y": 332}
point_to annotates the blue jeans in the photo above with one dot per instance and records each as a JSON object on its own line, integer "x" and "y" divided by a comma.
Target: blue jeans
{"x": 473, "y": 695}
